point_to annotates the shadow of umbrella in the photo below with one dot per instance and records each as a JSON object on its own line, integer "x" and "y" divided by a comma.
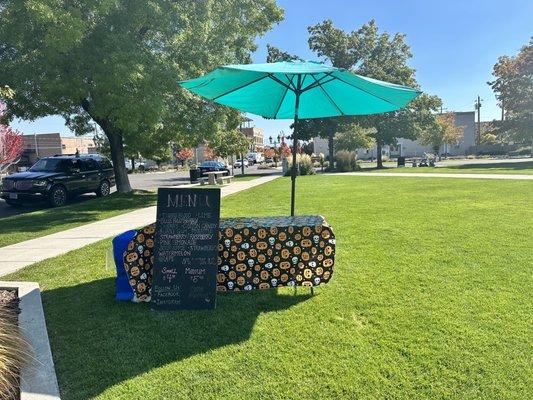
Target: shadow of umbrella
{"x": 94, "y": 336}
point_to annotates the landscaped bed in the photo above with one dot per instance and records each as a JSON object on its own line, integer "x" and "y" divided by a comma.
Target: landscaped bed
{"x": 11, "y": 345}
{"x": 431, "y": 298}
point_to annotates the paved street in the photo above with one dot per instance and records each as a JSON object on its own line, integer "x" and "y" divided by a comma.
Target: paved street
{"x": 146, "y": 181}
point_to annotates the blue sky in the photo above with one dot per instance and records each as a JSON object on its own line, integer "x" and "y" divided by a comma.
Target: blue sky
{"x": 454, "y": 44}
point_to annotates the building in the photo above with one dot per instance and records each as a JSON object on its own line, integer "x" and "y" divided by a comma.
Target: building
{"x": 413, "y": 148}
{"x": 50, "y": 144}
{"x": 254, "y": 134}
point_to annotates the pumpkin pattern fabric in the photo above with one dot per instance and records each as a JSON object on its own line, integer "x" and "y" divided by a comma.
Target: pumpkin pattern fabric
{"x": 254, "y": 253}
{"x": 264, "y": 253}
{"x": 139, "y": 261}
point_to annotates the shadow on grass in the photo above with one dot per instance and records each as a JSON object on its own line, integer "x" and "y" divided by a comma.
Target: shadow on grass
{"x": 517, "y": 166}
{"x": 98, "y": 342}
{"x": 75, "y": 214}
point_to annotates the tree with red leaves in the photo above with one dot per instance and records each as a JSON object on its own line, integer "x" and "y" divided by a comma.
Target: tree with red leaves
{"x": 10, "y": 142}
{"x": 185, "y": 154}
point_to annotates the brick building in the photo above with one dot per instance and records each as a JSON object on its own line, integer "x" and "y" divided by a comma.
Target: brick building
{"x": 49, "y": 144}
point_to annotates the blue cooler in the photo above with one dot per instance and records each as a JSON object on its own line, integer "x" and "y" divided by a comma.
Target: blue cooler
{"x": 122, "y": 285}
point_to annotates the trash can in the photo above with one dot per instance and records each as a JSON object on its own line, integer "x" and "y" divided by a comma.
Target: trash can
{"x": 401, "y": 161}
{"x": 194, "y": 174}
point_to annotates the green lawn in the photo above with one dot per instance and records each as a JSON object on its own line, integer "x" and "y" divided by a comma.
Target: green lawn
{"x": 49, "y": 220}
{"x": 431, "y": 298}
{"x": 525, "y": 168}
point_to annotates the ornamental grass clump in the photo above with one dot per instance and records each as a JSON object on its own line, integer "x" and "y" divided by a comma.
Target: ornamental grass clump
{"x": 346, "y": 161}
{"x": 304, "y": 165}
{"x": 13, "y": 352}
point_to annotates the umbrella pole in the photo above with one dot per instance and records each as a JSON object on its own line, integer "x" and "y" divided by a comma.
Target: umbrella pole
{"x": 294, "y": 149}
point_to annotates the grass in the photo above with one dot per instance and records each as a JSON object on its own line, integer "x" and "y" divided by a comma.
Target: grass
{"x": 431, "y": 298}
{"x": 247, "y": 177}
{"x": 43, "y": 222}
{"x": 525, "y": 168}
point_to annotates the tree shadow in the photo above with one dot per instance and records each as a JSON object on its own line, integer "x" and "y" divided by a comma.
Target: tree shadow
{"x": 83, "y": 210}
{"x": 98, "y": 342}
{"x": 505, "y": 165}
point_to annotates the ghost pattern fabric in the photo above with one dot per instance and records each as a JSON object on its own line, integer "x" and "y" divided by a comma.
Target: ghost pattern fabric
{"x": 254, "y": 253}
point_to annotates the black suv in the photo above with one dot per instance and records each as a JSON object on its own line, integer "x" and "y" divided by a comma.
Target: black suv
{"x": 55, "y": 178}
{"x": 210, "y": 166}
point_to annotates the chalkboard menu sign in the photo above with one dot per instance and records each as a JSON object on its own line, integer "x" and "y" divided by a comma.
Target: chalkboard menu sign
{"x": 186, "y": 241}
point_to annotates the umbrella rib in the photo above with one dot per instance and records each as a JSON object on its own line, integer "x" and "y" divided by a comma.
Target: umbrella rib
{"x": 290, "y": 81}
{"x": 313, "y": 85}
{"x": 239, "y": 87}
{"x": 366, "y": 91}
{"x": 279, "y": 81}
{"x": 281, "y": 102}
{"x": 328, "y": 96}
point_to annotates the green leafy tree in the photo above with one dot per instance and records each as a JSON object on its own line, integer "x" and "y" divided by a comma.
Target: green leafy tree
{"x": 275, "y": 54}
{"x": 6, "y": 92}
{"x": 368, "y": 52}
{"x": 352, "y": 137}
{"x": 445, "y": 131}
{"x": 230, "y": 143}
{"x": 513, "y": 87}
{"x": 118, "y": 63}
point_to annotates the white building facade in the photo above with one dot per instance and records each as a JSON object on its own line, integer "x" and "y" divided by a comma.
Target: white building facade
{"x": 413, "y": 148}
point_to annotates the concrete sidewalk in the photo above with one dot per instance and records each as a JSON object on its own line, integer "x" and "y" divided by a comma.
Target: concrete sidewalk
{"x": 437, "y": 175}
{"x": 20, "y": 255}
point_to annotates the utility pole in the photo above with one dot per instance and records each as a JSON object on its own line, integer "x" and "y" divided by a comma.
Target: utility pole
{"x": 478, "y": 108}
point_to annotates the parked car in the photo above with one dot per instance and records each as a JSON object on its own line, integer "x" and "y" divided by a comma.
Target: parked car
{"x": 269, "y": 160}
{"x": 55, "y": 179}
{"x": 210, "y": 166}
{"x": 255, "y": 158}
{"x": 239, "y": 163}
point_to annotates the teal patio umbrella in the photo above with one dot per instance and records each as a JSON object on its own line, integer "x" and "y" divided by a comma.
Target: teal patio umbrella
{"x": 298, "y": 90}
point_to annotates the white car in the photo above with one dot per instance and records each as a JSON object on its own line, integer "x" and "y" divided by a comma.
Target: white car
{"x": 238, "y": 163}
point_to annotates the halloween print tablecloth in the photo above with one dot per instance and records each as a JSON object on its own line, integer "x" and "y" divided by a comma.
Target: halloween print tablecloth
{"x": 254, "y": 253}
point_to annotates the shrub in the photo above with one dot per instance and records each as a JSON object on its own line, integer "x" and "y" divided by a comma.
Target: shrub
{"x": 13, "y": 351}
{"x": 304, "y": 164}
{"x": 346, "y": 161}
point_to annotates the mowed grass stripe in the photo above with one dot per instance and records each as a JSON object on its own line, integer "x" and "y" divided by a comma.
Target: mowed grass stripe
{"x": 431, "y": 298}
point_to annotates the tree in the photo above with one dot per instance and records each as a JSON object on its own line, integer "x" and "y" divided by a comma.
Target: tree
{"x": 6, "y": 92}
{"x": 118, "y": 63}
{"x": 184, "y": 155}
{"x": 352, "y": 137}
{"x": 11, "y": 144}
{"x": 274, "y": 55}
{"x": 368, "y": 52}
{"x": 445, "y": 132}
{"x": 230, "y": 143}
{"x": 513, "y": 87}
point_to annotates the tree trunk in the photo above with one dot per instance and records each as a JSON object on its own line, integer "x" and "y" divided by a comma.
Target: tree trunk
{"x": 117, "y": 156}
{"x": 242, "y": 164}
{"x": 331, "y": 150}
{"x": 116, "y": 145}
{"x": 133, "y": 163}
{"x": 379, "y": 157}
{"x": 436, "y": 151}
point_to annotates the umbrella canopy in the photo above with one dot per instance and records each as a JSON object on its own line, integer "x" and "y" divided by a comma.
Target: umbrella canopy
{"x": 299, "y": 90}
